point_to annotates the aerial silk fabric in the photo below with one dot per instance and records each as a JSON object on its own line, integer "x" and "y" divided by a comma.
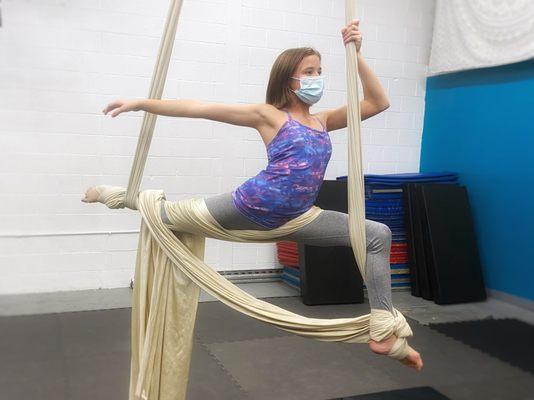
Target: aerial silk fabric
{"x": 480, "y": 33}
{"x": 170, "y": 270}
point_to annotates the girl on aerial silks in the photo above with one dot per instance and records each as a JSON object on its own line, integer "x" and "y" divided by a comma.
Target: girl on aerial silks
{"x": 298, "y": 148}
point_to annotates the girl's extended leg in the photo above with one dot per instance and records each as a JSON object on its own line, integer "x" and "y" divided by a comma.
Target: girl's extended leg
{"x": 330, "y": 228}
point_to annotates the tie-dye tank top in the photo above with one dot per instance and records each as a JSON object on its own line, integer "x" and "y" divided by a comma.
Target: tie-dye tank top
{"x": 288, "y": 186}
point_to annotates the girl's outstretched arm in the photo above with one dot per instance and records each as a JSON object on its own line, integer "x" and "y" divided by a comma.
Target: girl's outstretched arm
{"x": 251, "y": 115}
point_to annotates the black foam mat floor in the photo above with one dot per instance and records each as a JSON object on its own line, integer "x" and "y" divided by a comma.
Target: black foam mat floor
{"x": 85, "y": 355}
{"x": 507, "y": 339}
{"x": 418, "y": 393}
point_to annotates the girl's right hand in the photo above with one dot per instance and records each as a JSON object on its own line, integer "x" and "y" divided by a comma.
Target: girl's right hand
{"x": 117, "y": 107}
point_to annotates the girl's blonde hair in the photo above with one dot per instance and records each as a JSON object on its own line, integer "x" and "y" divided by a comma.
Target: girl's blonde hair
{"x": 278, "y": 90}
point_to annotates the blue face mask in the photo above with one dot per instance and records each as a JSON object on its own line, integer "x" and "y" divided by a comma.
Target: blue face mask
{"x": 311, "y": 89}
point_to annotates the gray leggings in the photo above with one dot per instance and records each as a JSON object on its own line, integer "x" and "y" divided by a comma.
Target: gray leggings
{"x": 330, "y": 228}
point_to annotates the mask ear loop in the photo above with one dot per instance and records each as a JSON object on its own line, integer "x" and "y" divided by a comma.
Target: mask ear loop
{"x": 297, "y": 79}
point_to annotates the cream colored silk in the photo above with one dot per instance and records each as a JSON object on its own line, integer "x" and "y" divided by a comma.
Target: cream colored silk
{"x": 170, "y": 269}
{"x": 156, "y": 90}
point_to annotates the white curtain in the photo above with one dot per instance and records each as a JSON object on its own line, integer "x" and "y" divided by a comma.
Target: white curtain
{"x": 472, "y": 34}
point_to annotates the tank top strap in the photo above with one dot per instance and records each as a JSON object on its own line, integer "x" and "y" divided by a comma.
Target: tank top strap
{"x": 288, "y": 114}
{"x": 324, "y": 127}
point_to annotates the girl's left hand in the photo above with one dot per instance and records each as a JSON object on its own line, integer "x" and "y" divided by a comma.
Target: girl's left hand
{"x": 91, "y": 195}
{"x": 352, "y": 33}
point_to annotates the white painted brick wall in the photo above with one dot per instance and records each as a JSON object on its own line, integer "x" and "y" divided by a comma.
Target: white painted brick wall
{"x": 62, "y": 61}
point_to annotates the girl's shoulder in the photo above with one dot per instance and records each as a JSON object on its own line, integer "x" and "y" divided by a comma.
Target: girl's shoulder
{"x": 322, "y": 116}
{"x": 273, "y": 116}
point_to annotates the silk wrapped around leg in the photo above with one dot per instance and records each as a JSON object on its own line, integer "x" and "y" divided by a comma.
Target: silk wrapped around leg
{"x": 169, "y": 272}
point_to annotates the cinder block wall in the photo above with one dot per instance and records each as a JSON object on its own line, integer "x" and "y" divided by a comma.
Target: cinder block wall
{"x": 62, "y": 61}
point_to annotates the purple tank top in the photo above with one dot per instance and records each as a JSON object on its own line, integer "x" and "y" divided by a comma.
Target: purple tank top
{"x": 288, "y": 186}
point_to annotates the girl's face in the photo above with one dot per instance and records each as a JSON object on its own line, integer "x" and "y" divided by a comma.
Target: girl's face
{"x": 309, "y": 66}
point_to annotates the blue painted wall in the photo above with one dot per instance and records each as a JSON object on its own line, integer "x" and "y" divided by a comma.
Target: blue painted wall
{"x": 480, "y": 124}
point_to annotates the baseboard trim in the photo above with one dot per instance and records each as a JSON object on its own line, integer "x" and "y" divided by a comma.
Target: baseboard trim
{"x": 509, "y": 298}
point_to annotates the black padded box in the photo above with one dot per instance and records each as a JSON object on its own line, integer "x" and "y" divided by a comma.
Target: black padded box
{"x": 330, "y": 275}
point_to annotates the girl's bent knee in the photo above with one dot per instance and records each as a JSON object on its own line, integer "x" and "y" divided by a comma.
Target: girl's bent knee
{"x": 384, "y": 231}
{"x": 378, "y": 236}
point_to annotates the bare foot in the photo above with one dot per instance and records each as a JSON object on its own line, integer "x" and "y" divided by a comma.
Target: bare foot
{"x": 413, "y": 360}
{"x": 91, "y": 195}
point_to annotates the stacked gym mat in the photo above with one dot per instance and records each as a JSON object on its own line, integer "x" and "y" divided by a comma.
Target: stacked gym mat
{"x": 443, "y": 252}
{"x": 434, "y": 248}
{"x": 384, "y": 202}
{"x": 288, "y": 256}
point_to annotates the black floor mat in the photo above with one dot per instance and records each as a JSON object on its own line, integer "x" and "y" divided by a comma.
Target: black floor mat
{"x": 418, "y": 393}
{"x": 509, "y": 340}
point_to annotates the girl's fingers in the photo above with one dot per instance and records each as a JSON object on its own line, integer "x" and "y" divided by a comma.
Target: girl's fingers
{"x": 351, "y": 30}
{"x": 356, "y": 40}
{"x": 113, "y": 105}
